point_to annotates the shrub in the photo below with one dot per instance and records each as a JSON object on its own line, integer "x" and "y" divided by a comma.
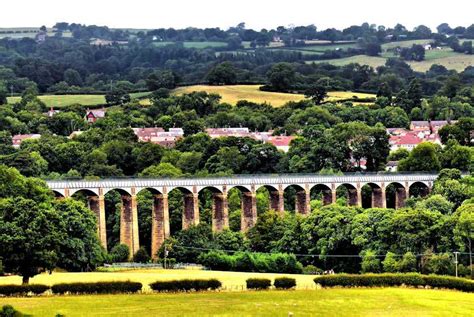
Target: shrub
{"x": 141, "y": 256}
{"x": 407, "y": 263}
{"x": 120, "y": 253}
{"x": 390, "y": 263}
{"x": 370, "y": 263}
{"x": 97, "y": 288}
{"x": 441, "y": 264}
{"x": 311, "y": 269}
{"x": 217, "y": 260}
{"x": 9, "y": 311}
{"x": 284, "y": 283}
{"x": 22, "y": 290}
{"x": 410, "y": 279}
{"x": 185, "y": 285}
{"x": 258, "y": 283}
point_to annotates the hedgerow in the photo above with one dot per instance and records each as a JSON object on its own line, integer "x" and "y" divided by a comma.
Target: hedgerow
{"x": 186, "y": 285}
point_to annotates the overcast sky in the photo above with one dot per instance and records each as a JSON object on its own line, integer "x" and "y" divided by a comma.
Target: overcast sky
{"x": 256, "y": 13}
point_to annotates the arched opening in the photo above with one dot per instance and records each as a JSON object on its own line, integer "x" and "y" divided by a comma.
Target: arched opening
{"x": 297, "y": 199}
{"x": 183, "y": 209}
{"x": 57, "y": 194}
{"x": 121, "y": 219}
{"x": 269, "y": 198}
{"x": 96, "y": 204}
{"x": 419, "y": 189}
{"x": 372, "y": 196}
{"x": 248, "y": 207}
{"x": 213, "y": 208}
{"x": 396, "y": 195}
{"x": 347, "y": 194}
{"x": 321, "y": 195}
{"x": 148, "y": 212}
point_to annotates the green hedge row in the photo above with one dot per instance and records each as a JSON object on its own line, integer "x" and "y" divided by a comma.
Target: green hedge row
{"x": 97, "y": 288}
{"x": 22, "y": 290}
{"x": 185, "y": 285}
{"x": 251, "y": 262}
{"x": 374, "y": 280}
{"x": 264, "y": 283}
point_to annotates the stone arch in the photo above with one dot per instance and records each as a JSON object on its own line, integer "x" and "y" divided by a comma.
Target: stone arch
{"x": 90, "y": 191}
{"x": 269, "y": 197}
{"x": 57, "y": 194}
{"x": 248, "y": 206}
{"x": 122, "y": 191}
{"x": 349, "y": 192}
{"x": 373, "y": 196}
{"x": 187, "y": 209}
{"x": 213, "y": 207}
{"x": 418, "y": 189}
{"x": 323, "y": 193}
{"x": 297, "y": 198}
{"x": 396, "y": 195}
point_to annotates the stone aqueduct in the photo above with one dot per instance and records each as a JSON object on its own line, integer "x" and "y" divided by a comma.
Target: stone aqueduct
{"x": 248, "y": 185}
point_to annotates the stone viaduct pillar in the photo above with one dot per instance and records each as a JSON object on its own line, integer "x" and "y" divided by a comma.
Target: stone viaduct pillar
{"x": 220, "y": 212}
{"x": 249, "y": 210}
{"x": 277, "y": 200}
{"x": 302, "y": 201}
{"x": 401, "y": 195}
{"x": 328, "y": 196}
{"x": 160, "y": 223}
{"x": 129, "y": 223}
{"x": 378, "y": 197}
{"x": 354, "y": 198}
{"x": 191, "y": 209}
{"x": 97, "y": 205}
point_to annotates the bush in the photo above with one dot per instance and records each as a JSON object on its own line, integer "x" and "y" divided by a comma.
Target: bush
{"x": 9, "y": 311}
{"x": 185, "y": 285}
{"x": 284, "y": 283}
{"x": 97, "y": 288}
{"x": 370, "y": 263}
{"x": 22, "y": 290}
{"x": 141, "y": 256}
{"x": 311, "y": 269}
{"x": 251, "y": 262}
{"x": 410, "y": 279}
{"x": 120, "y": 253}
{"x": 258, "y": 283}
{"x": 407, "y": 263}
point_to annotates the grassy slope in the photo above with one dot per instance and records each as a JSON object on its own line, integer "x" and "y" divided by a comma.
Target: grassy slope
{"x": 232, "y": 94}
{"x": 325, "y": 302}
{"x": 65, "y": 100}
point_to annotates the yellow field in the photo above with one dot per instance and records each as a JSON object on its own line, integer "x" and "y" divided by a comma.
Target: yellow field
{"x": 232, "y": 94}
{"x": 230, "y": 280}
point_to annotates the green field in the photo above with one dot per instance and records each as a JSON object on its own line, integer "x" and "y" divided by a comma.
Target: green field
{"x": 232, "y": 94}
{"x": 59, "y": 101}
{"x": 409, "y": 43}
{"x": 199, "y": 45}
{"x": 446, "y": 58}
{"x": 323, "y": 302}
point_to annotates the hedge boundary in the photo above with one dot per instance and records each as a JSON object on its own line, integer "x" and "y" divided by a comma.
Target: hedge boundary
{"x": 258, "y": 283}
{"x": 186, "y": 285}
{"x": 97, "y": 288}
{"x": 23, "y": 290}
{"x": 284, "y": 283}
{"x": 377, "y": 280}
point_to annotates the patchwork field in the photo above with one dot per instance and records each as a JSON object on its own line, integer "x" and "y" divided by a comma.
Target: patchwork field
{"x": 232, "y": 94}
{"x": 446, "y": 58}
{"x": 324, "y": 302}
{"x": 198, "y": 45}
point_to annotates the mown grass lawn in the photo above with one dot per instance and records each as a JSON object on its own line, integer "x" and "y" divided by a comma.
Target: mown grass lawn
{"x": 323, "y": 302}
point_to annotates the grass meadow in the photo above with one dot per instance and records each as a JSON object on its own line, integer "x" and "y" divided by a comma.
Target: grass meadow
{"x": 59, "y": 101}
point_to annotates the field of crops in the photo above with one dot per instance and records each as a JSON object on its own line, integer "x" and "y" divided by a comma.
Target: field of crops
{"x": 59, "y": 101}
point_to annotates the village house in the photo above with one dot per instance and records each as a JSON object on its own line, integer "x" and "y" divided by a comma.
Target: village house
{"x": 51, "y": 112}
{"x": 94, "y": 115}
{"x": 227, "y": 132}
{"x": 17, "y": 139}
{"x": 159, "y": 136}
{"x": 281, "y": 142}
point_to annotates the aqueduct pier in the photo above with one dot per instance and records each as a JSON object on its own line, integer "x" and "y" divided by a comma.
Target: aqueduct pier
{"x": 303, "y": 186}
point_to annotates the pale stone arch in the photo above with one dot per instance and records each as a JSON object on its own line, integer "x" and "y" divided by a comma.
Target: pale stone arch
{"x": 91, "y": 191}
{"x": 373, "y": 195}
{"x": 212, "y": 188}
{"x": 267, "y": 187}
{"x": 351, "y": 192}
{"x": 242, "y": 188}
{"x": 322, "y": 192}
{"x": 396, "y": 194}
{"x": 153, "y": 190}
{"x": 418, "y": 189}
{"x": 58, "y": 193}
{"x": 122, "y": 191}
{"x": 183, "y": 189}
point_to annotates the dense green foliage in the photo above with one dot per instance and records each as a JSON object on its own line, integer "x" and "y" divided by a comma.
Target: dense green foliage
{"x": 378, "y": 280}
{"x": 258, "y": 283}
{"x": 22, "y": 290}
{"x": 284, "y": 283}
{"x": 97, "y": 288}
{"x": 186, "y": 285}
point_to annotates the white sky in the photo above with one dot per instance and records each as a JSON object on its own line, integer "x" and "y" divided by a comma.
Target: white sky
{"x": 256, "y": 13}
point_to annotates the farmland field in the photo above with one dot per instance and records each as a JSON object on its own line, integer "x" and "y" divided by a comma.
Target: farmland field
{"x": 199, "y": 45}
{"x": 446, "y": 58}
{"x": 408, "y": 43}
{"x": 232, "y": 94}
{"x": 65, "y": 100}
{"x": 322, "y": 302}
